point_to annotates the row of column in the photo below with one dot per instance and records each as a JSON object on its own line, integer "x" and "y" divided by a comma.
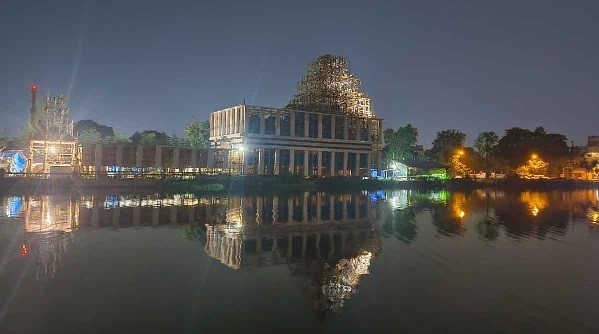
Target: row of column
{"x": 277, "y": 169}
{"x": 158, "y": 157}
{"x": 319, "y": 125}
{"x": 227, "y": 121}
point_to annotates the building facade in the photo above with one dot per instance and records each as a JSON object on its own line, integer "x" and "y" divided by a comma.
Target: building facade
{"x": 271, "y": 141}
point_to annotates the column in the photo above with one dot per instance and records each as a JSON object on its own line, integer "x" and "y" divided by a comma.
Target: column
{"x": 305, "y": 208}
{"x": 290, "y": 210}
{"x": 319, "y": 164}
{"x": 261, "y": 161}
{"x": 368, "y": 163}
{"x": 345, "y": 124}
{"x": 158, "y": 157}
{"x": 243, "y": 119}
{"x": 332, "y": 172}
{"x": 177, "y": 157}
{"x": 98, "y": 157}
{"x": 277, "y": 162}
{"x": 357, "y": 164}
{"x": 139, "y": 153}
{"x": 318, "y": 207}
{"x": 319, "y": 125}
{"x": 275, "y": 210}
{"x": 332, "y": 208}
{"x": 344, "y": 208}
{"x": 235, "y": 128}
{"x": 318, "y": 244}
{"x": 291, "y": 161}
{"x": 345, "y": 156}
{"x": 278, "y": 122}
{"x": 262, "y": 125}
{"x": 226, "y": 159}
{"x": 306, "y": 125}
{"x": 259, "y": 207}
{"x": 304, "y": 243}
{"x": 369, "y": 130}
{"x": 289, "y": 246}
{"x": 246, "y": 166}
{"x": 379, "y": 160}
{"x": 292, "y": 123}
{"x": 306, "y": 163}
{"x": 119, "y": 155}
{"x": 210, "y": 164}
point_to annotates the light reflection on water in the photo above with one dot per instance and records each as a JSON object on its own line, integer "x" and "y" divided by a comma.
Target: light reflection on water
{"x": 327, "y": 242}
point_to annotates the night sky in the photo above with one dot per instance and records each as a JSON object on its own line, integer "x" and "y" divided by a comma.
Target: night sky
{"x": 139, "y": 65}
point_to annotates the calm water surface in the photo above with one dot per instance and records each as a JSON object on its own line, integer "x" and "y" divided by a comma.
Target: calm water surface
{"x": 367, "y": 262}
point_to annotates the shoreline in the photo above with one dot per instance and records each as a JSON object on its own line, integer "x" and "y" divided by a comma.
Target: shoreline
{"x": 227, "y": 184}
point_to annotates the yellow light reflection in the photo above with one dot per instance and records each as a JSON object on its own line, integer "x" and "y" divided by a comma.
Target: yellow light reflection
{"x": 535, "y": 202}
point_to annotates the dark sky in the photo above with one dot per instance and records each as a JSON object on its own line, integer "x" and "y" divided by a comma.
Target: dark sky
{"x": 471, "y": 65}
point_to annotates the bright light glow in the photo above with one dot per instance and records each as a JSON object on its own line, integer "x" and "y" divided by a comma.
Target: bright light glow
{"x": 241, "y": 148}
{"x": 461, "y": 214}
{"x": 52, "y": 149}
{"x": 534, "y": 156}
{"x": 461, "y": 152}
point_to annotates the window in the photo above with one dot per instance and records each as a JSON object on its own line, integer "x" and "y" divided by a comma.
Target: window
{"x": 254, "y": 121}
{"x": 364, "y": 136}
{"x": 299, "y": 124}
{"x": 269, "y": 122}
{"x": 285, "y": 123}
{"x": 326, "y": 126}
{"x": 351, "y": 128}
{"x": 375, "y": 133}
{"x": 313, "y": 125}
{"x": 339, "y": 127}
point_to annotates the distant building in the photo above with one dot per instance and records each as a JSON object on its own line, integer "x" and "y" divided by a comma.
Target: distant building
{"x": 327, "y": 129}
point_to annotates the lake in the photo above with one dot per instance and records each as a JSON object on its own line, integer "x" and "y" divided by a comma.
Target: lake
{"x": 418, "y": 261}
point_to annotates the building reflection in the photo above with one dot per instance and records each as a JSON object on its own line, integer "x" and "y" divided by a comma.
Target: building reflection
{"x": 327, "y": 241}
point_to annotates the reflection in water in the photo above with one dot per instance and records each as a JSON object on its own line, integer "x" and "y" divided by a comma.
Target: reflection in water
{"x": 325, "y": 241}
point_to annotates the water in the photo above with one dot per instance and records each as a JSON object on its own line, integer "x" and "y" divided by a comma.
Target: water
{"x": 416, "y": 261}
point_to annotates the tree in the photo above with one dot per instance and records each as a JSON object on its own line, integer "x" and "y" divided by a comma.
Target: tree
{"x": 401, "y": 144}
{"x": 150, "y": 138}
{"x": 89, "y": 136}
{"x": 446, "y": 144}
{"x": 88, "y": 124}
{"x": 115, "y": 139}
{"x": 517, "y": 145}
{"x": 198, "y": 133}
{"x": 484, "y": 144}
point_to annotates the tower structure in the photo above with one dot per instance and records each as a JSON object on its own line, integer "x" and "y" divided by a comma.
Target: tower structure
{"x": 329, "y": 86}
{"x": 52, "y": 143}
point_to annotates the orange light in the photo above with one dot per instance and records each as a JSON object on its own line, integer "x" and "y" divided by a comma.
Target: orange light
{"x": 534, "y": 156}
{"x": 24, "y": 250}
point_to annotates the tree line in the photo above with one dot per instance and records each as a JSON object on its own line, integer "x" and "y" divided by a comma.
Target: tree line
{"x": 197, "y": 135}
{"x": 490, "y": 153}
